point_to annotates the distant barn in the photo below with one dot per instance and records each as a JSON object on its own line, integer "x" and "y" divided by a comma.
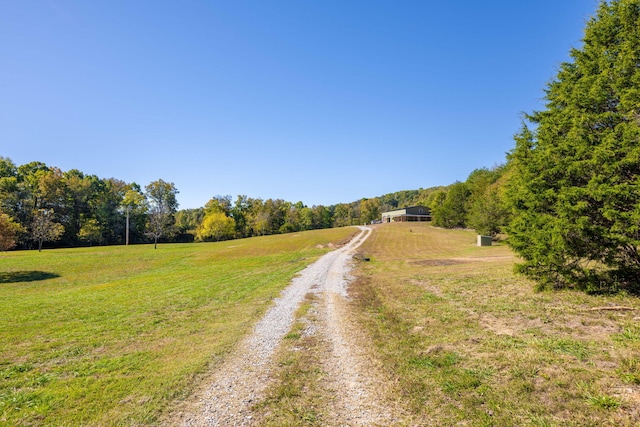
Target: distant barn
{"x": 412, "y": 213}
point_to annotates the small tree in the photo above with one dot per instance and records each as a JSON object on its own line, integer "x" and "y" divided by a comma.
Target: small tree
{"x": 9, "y": 231}
{"x": 162, "y": 201}
{"x": 44, "y": 229}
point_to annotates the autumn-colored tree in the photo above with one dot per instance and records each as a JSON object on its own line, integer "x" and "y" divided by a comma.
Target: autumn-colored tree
{"x": 9, "y": 230}
{"x": 216, "y": 226}
{"x": 90, "y": 232}
{"x": 44, "y": 228}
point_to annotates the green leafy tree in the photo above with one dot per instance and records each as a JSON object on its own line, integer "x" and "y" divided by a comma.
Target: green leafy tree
{"x": 188, "y": 220}
{"x": 241, "y": 215}
{"x": 277, "y": 210}
{"x": 219, "y": 204}
{"x": 217, "y": 223}
{"x": 575, "y": 190}
{"x": 341, "y": 215}
{"x": 292, "y": 218}
{"x": 11, "y": 197}
{"x": 24, "y": 196}
{"x": 322, "y": 216}
{"x": 369, "y": 210}
{"x": 7, "y": 167}
{"x": 106, "y": 208}
{"x": 90, "y": 232}
{"x": 488, "y": 213}
{"x": 79, "y": 189}
{"x": 436, "y": 199}
{"x": 267, "y": 217}
{"x": 452, "y": 212}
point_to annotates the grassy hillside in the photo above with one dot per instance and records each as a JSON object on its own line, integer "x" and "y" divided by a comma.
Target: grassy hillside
{"x": 471, "y": 344}
{"x": 109, "y": 335}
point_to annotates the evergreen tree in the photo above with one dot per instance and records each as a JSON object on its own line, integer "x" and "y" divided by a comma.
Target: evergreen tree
{"x": 575, "y": 190}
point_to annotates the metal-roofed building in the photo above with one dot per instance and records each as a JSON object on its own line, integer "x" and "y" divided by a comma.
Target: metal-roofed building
{"x": 412, "y": 213}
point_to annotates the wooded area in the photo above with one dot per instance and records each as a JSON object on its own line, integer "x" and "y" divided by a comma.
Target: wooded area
{"x": 43, "y": 205}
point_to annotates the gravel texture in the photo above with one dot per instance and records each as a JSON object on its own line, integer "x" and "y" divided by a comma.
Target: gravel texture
{"x": 231, "y": 391}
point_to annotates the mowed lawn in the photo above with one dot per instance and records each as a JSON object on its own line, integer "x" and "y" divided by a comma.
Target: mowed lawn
{"x": 466, "y": 342}
{"x": 109, "y": 336}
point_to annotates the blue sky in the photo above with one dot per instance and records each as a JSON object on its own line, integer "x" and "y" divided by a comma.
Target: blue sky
{"x": 316, "y": 101}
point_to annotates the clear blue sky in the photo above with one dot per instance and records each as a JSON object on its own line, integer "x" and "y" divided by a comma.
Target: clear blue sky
{"x": 315, "y": 101}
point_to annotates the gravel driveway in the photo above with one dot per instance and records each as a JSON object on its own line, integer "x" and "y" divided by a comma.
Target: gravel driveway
{"x": 231, "y": 391}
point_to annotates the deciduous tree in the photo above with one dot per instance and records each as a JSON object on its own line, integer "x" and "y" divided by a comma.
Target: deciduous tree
{"x": 452, "y": 212}
{"x": 369, "y": 210}
{"x": 90, "y": 232}
{"x": 163, "y": 204}
{"x": 216, "y": 226}
{"x": 9, "y": 230}
{"x": 44, "y": 228}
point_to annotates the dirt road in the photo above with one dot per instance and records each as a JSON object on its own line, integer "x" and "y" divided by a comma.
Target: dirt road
{"x": 228, "y": 395}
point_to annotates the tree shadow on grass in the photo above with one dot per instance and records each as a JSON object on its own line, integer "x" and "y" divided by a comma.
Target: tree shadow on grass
{"x": 25, "y": 276}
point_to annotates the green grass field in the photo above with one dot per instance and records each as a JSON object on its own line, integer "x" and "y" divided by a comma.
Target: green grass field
{"x": 108, "y": 336}
{"x": 470, "y": 344}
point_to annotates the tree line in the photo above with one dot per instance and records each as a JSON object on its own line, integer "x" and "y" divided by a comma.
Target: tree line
{"x": 43, "y": 205}
{"x": 478, "y": 203}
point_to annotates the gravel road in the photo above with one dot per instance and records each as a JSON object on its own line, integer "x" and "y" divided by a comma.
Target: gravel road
{"x": 231, "y": 391}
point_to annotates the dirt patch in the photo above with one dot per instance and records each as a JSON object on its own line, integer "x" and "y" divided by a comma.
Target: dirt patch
{"x": 501, "y": 326}
{"x": 436, "y": 262}
{"x": 630, "y": 396}
{"x": 485, "y": 258}
{"x": 581, "y": 326}
{"x": 427, "y": 286}
{"x": 440, "y": 262}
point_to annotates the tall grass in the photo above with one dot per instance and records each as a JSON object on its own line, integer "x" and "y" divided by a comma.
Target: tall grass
{"x": 109, "y": 336}
{"x": 471, "y": 344}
